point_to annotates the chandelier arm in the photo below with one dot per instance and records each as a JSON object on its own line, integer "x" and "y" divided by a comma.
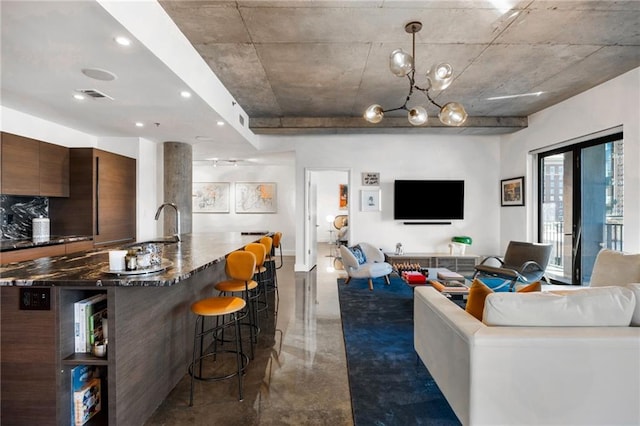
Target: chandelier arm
{"x": 406, "y": 101}
{"x": 412, "y": 82}
{"x": 404, "y": 107}
{"x": 426, "y": 92}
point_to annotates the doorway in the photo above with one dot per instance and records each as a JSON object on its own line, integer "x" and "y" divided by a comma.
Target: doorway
{"x": 324, "y": 188}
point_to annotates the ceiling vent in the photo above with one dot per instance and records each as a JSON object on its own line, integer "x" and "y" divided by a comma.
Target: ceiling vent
{"x": 93, "y": 93}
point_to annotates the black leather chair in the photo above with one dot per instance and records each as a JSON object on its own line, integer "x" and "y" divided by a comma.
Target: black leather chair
{"x": 523, "y": 262}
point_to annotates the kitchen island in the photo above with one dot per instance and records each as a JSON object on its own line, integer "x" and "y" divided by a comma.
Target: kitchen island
{"x": 150, "y": 329}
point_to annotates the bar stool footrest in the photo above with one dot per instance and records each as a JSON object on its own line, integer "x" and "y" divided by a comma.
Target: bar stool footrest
{"x": 245, "y": 363}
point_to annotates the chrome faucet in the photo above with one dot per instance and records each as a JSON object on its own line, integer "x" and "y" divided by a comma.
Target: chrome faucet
{"x": 177, "y": 234}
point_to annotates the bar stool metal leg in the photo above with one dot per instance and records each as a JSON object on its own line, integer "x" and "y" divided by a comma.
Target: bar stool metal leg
{"x": 218, "y": 307}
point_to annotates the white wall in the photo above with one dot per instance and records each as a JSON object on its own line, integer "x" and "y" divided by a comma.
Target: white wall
{"x": 282, "y": 221}
{"x": 471, "y": 158}
{"x": 150, "y": 188}
{"x": 614, "y": 103}
{"x": 19, "y": 123}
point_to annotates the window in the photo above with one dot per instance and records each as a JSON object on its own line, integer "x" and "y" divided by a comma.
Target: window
{"x": 581, "y": 205}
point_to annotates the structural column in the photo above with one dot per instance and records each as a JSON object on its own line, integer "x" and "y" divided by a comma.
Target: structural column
{"x": 178, "y": 165}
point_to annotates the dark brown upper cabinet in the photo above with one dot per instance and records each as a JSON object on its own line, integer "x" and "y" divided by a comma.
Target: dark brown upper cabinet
{"x": 33, "y": 167}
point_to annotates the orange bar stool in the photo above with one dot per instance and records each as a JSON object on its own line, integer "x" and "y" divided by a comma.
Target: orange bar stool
{"x": 240, "y": 267}
{"x": 270, "y": 263}
{"x": 260, "y": 273}
{"x": 220, "y": 308}
{"x": 277, "y": 245}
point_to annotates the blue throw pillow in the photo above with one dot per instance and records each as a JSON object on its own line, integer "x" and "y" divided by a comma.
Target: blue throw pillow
{"x": 359, "y": 254}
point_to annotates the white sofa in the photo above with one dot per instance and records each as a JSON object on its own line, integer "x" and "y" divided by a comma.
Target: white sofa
{"x": 499, "y": 375}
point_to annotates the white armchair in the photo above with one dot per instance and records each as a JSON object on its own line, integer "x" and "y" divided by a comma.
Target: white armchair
{"x": 373, "y": 267}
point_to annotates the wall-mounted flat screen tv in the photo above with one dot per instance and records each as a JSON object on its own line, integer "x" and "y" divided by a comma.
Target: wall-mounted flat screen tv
{"x": 428, "y": 199}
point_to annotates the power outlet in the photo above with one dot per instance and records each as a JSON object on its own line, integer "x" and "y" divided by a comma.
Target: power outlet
{"x": 35, "y": 299}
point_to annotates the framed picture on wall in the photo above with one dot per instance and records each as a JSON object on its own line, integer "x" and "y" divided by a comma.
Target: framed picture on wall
{"x": 344, "y": 196}
{"x": 370, "y": 179}
{"x": 512, "y": 192}
{"x": 370, "y": 200}
{"x": 256, "y": 197}
{"x": 210, "y": 197}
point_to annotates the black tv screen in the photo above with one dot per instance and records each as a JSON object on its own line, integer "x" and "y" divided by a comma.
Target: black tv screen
{"x": 428, "y": 199}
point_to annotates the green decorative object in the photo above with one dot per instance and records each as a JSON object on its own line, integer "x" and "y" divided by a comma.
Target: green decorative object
{"x": 462, "y": 240}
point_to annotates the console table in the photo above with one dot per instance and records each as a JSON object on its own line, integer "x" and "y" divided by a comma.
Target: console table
{"x": 461, "y": 263}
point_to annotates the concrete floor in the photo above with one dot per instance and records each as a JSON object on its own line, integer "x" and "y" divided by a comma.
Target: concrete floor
{"x": 299, "y": 374}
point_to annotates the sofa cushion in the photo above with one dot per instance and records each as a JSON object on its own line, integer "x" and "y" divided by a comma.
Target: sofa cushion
{"x": 615, "y": 268}
{"x": 592, "y": 307}
{"x": 358, "y": 252}
{"x": 635, "y": 318}
{"x": 479, "y": 291}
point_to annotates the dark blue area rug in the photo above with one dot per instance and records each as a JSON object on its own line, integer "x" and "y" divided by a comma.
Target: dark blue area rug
{"x": 389, "y": 384}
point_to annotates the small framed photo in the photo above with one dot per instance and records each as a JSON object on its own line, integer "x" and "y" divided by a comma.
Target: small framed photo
{"x": 370, "y": 200}
{"x": 512, "y": 192}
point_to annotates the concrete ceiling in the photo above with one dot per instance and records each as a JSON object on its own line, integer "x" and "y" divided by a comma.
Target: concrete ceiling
{"x": 300, "y": 67}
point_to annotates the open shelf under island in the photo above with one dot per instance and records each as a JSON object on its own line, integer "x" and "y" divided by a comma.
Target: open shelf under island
{"x": 150, "y": 329}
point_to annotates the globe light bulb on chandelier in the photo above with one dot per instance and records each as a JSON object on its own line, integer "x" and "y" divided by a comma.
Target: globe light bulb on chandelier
{"x": 438, "y": 78}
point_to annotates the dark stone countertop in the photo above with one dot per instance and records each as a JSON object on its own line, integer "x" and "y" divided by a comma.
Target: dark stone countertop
{"x": 194, "y": 253}
{"x": 8, "y": 245}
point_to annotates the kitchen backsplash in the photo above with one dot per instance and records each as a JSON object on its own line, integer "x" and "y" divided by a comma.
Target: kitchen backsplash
{"x": 17, "y": 212}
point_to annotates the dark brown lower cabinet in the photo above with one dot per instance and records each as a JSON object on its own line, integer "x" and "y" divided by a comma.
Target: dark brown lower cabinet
{"x": 29, "y": 369}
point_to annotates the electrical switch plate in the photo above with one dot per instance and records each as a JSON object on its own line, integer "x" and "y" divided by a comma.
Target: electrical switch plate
{"x": 35, "y": 299}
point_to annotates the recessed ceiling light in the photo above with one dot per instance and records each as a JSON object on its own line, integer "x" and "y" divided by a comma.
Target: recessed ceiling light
{"x": 185, "y": 94}
{"x": 78, "y": 96}
{"x": 123, "y": 41}
{"x": 205, "y": 138}
{"x": 220, "y": 123}
{"x": 139, "y": 124}
{"x": 98, "y": 74}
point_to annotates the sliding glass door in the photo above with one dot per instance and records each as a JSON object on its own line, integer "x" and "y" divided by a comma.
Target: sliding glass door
{"x": 581, "y": 205}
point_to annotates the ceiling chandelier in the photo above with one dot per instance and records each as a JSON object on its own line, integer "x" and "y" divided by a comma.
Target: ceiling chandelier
{"x": 439, "y": 77}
